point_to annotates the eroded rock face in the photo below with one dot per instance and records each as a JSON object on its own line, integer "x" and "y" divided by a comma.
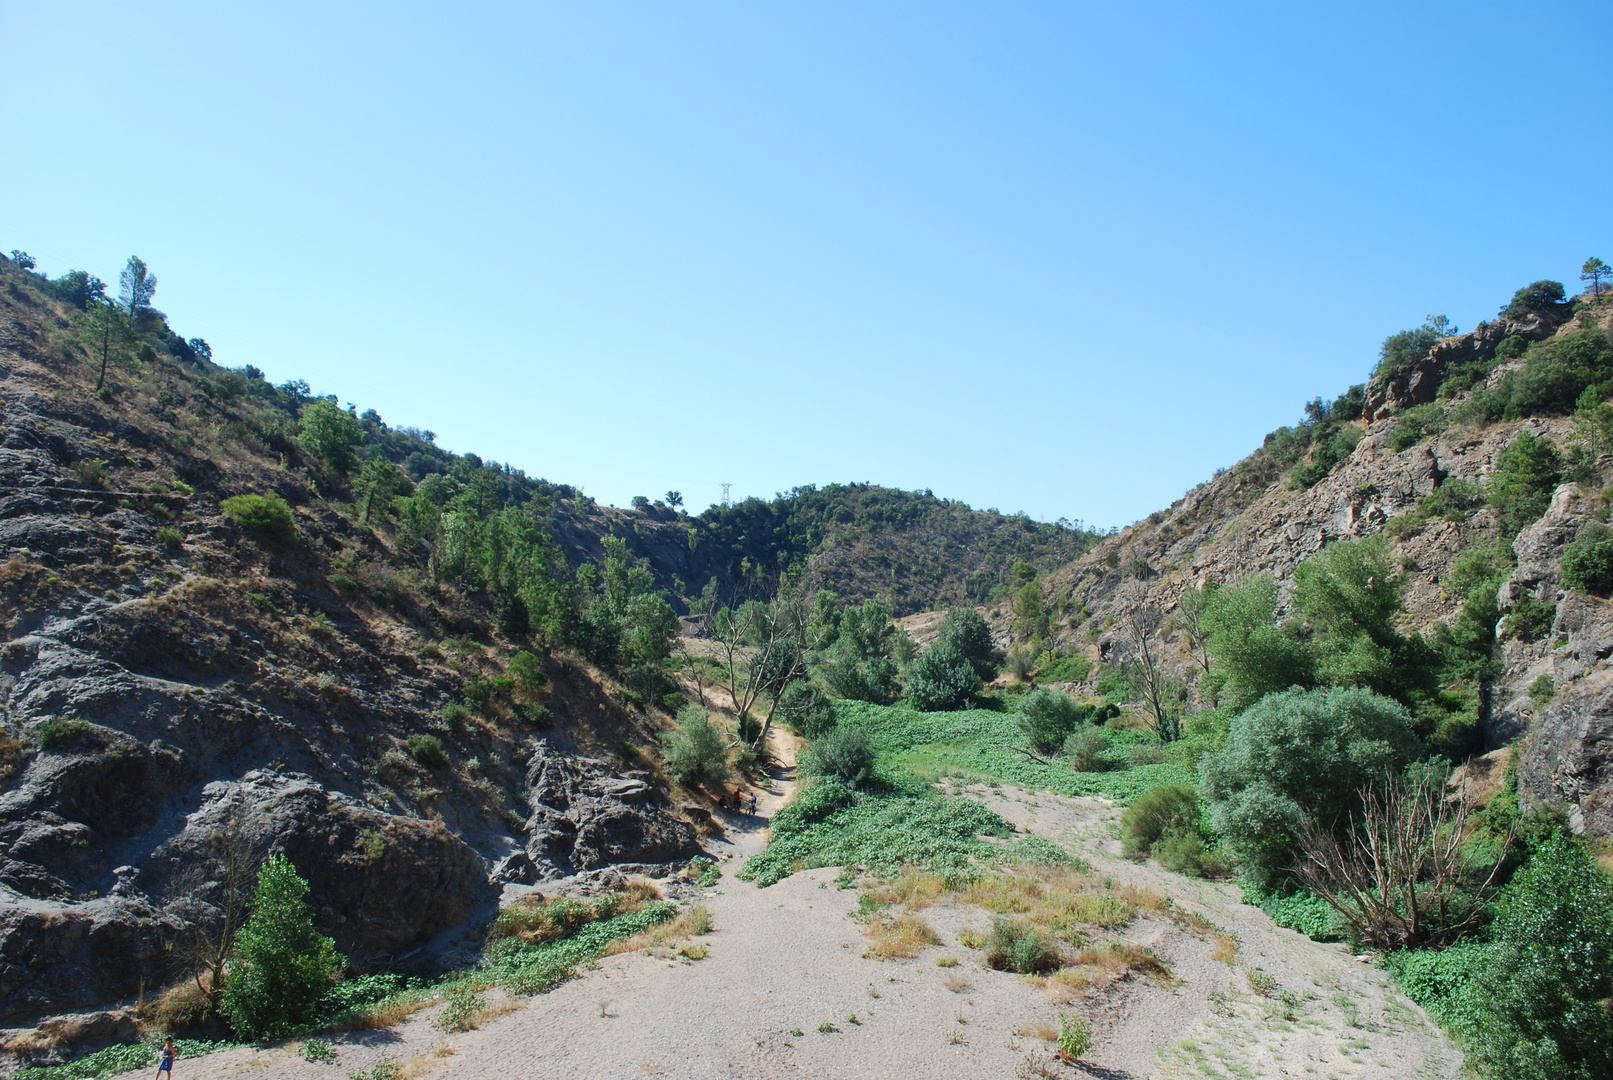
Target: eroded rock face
{"x": 1419, "y": 384}
{"x": 1568, "y": 762}
{"x": 584, "y": 819}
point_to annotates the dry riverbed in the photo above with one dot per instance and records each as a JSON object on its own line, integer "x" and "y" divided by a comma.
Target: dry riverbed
{"x": 786, "y": 990}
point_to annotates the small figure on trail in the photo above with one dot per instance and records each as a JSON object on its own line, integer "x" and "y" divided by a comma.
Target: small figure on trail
{"x": 166, "y": 1064}
{"x": 753, "y": 803}
{"x": 722, "y": 801}
{"x": 739, "y": 802}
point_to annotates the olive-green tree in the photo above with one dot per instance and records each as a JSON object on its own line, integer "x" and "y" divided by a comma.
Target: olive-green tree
{"x": 282, "y": 964}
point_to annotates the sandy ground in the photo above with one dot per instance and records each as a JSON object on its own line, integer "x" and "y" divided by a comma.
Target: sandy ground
{"x": 786, "y": 991}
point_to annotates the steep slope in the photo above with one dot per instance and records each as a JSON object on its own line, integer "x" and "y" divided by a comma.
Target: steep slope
{"x": 178, "y": 690}
{"x": 1412, "y": 441}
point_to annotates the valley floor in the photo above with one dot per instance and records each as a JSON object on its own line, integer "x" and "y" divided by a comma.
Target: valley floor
{"x": 785, "y": 975}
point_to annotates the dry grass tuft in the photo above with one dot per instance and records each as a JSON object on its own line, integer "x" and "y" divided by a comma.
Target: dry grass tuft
{"x": 690, "y": 922}
{"x": 1074, "y": 983}
{"x": 424, "y": 1062}
{"x": 955, "y": 981}
{"x": 385, "y": 1014}
{"x": 1119, "y": 957}
{"x": 1226, "y": 948}
{"x": 904, "y": 936}
{"x": 911, "y": 889}
{"x": 1045, "y": 1030}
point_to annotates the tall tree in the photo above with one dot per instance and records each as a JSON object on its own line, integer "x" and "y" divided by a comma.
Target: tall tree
{"x": 108, "y": 327}
{"x": 136, "y": 286}
{"x": 1594, "y": 271}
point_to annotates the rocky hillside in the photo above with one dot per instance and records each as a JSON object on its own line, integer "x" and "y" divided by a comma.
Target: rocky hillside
{"x": 177, "y": 690}
{"x": 1436, "y": 419}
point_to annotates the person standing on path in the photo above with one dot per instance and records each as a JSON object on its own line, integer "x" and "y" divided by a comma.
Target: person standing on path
{"x": 753, "y": 804}
{"x": 166, "y": 1063}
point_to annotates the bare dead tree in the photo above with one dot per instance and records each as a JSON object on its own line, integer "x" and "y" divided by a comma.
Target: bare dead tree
{"x": 1189, "y": 616}
{"x": 1140, "y": 658}
{"x": 762, "y": 647}
{"x": 213, "y": 895}
{"x": 1399, "y": 875}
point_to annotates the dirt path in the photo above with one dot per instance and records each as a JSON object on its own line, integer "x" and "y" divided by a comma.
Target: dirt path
{"x": 785, "y": 976}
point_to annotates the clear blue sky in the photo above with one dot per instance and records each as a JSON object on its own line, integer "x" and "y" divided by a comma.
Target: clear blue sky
{"x": 1062, "y": 258}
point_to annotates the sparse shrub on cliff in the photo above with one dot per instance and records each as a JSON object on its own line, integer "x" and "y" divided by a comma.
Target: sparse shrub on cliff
{"x": 267, "y": 515}
{"x": 1587, "y": 563}
{"x": 428, "y": 751}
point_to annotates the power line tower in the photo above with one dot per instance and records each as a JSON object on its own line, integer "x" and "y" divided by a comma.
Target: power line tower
{"x": 725, "y": 488}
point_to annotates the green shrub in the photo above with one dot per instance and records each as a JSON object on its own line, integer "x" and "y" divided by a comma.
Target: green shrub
{"x": 1150, "y": 814}
{"x": 1086, "y": 748}
{"x": 941, "y": 679}
{"x": 965, "y": 630}
{"x": 845, "y": 753}
{"x": 1453, "y": 499}
{"x": 1537, "y": 297}
{"x": 1521, "y": 485}
{"x": 281, "y": 966}
{"x": 89, "y": 472}
{"x": 58, "y": 731}
{"x": 693, "y": 752}
{"x": 1074, "y": 667}
{"x": 1016, "y": 944}
{"x": 1529, "y": 620}
{"x": 525, "y": 670}
{"x": 1416, "y": 424}
{"x": 1299, "y": 754}
{"x": 1075, "y": 1036}
{"x": 454, "y": 715}
{"x": 805, "y": 709}
{"x": 1542, "y": 690}
{"x": 1587, "y": 563}
{"x": 1539, "y": 1005}
{"x": 267, "y": 515}
{"x": 428, "y": 751}
{"x": 536, "y": 714}
{"x": 170, "y": 537}
{"x": 1047, "y": 717}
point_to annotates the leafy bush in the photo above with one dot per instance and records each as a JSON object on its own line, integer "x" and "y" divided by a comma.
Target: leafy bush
{"x": 1539, "y": 1005}
{"x": 1535, "y": 298}
{"x": 89, "y": 472}
{"x": 1075, "y": 1036}
{"x": 60, "y": 730}
{"x": 1296, "y": 755}
{"x": 1415, "y": 424}
{"x": 941, "y": 679}
{"x": 1017, "y": 944}
{"x": 1047, "y": 717}
{"x": 267, "y": 515}
{"x": 1074, "y": 667}
{"x": 1453, "y": 499}
{"x": 965, "y": 630}
{"x": 170, "y": 537}
{"x": 428, "y": 751}
{"x": 693, "y": 752}
{"x": 1086, "y": 748}
{"x": 1587, "y": 563}
{"x": 1402, "y": 351}
{"x": 1521, "y": 485}
{"x": 806, "y": 709}
{"x": 1529, "y": 619}
{"x": 282, "y": 966}
{"x": 1150, "y": 814}
{"x": 845, "y": 753}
